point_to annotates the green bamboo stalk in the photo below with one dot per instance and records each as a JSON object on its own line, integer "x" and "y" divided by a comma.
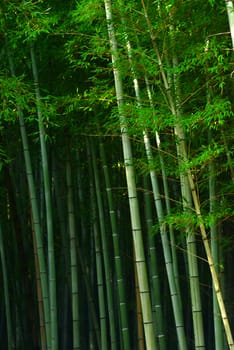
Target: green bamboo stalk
{"x": 175, "y": 297}
{"x": 39, "y": 295}
{"x": 73, "y": 258}
{"x": 186, "y": 196}
{"x": 230, "y": 13}
{"x": 90, "y": 301}
{"x": 214, "y": 235}
{"x": 10, "y": 339}
{"x": 98, "y": 257}
{"x": 139, "y": 318}
{"x": 218, "y": 331}
{"x": 105, "y": 250}
{"x": 84, "y": 264}
{"x": 100, "y": 283}
{"x": 190, "y": 236}
{"x": 64, "y": 258}
{"x": 159, "y": 324}
{"x": 159, "y": 210}
{"x": 153, "y": 267}
{"x": 132, "y": 193}
{"x": 35, "y": 214}
{"x": 166, "y": 195}
{"x": 117, "y": 257}
{"x": 49, "y": 215}
{"x": 211, "y": 263}
{"x": 15, "y": 187}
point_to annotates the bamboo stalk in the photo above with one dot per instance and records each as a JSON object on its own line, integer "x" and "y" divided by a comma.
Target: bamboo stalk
{"x": 10, "y": 338}
{"x": 132, "y": 194}
{"x": 49, "y": 214}
{"x": 73, "y": 257}
{"x": 117, "y": 257}
{"x": 35, "y": 214}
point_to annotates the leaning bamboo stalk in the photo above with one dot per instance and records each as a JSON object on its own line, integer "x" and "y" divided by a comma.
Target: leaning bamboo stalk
{"x": 214, "y": 245}
{"x": 214, "y": 234}
{"x": 211, "y": 262}
{"x": 182, "y": 152}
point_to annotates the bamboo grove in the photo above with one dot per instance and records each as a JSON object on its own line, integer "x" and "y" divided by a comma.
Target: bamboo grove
{"x": 116, "y": 175}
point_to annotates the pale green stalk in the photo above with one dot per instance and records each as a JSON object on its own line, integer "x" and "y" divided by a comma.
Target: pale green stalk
{"x": 185, "y": 193}
{"x": 176, "y": 301}
{"x": 132, "y": 193}
{"x": 230, "y": 13}
{"x": 199, "y": 337}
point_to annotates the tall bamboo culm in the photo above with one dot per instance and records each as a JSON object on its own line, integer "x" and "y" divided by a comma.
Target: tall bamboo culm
{"x": 35, "y": 215}
{"x": 73, "y": 256}
{"x": 132, "y": 194}
{"x": 48, "y": 204}
{"x": 117, "y": 258}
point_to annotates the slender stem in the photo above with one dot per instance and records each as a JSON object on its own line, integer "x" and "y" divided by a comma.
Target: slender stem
{"x": 49, "y": 215}
{"x": 10, "y": 338}
{"x": 35, "y": 214}
{"x": 132, "y": 193}
{"x": 105, "y": 250}
{"x": 73, "y": 257}
{"x": 118, "y": 263}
